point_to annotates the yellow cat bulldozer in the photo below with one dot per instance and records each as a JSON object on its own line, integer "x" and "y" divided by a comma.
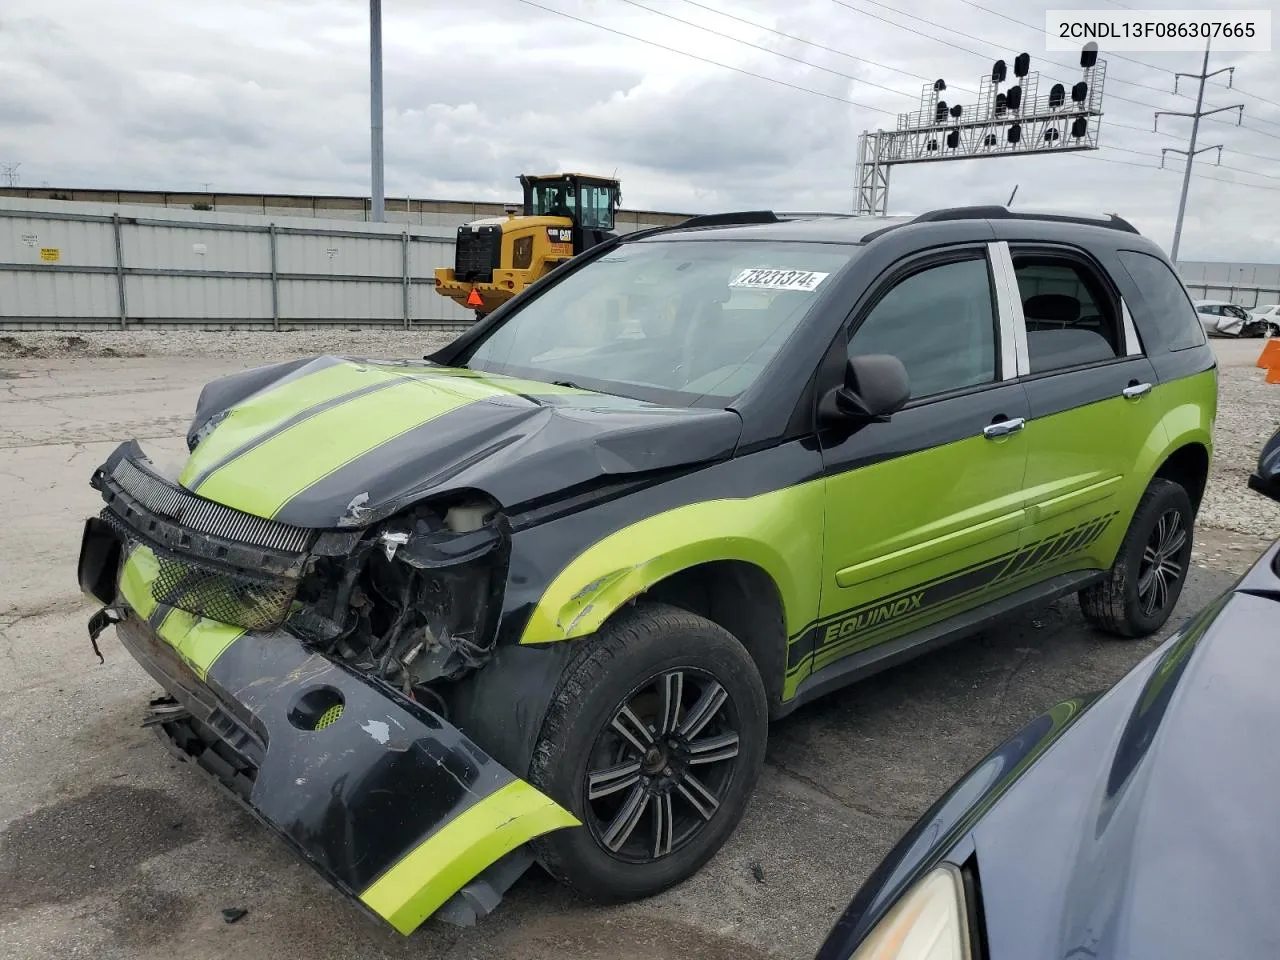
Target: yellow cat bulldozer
{"x": 564, "y": 214}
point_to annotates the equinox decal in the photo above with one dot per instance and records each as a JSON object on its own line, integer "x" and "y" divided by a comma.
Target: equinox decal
{"x": 842, "y": 629}
{"x": 848, "y": 631}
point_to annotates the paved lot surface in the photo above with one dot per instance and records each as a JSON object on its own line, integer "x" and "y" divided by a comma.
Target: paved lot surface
{"x": 110, "y": 849}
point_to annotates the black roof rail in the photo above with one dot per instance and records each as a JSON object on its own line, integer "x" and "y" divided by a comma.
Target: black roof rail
{"x": 994, "y": 212}
{"x": 728, "y": 219}
{"x": 705, "y": 220}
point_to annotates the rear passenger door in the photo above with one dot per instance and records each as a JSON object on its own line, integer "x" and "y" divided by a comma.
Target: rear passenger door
{"x": 1091, "y": 412}
{"x": 919, "y": 508}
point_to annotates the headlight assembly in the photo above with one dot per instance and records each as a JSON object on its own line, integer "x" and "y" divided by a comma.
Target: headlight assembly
{"x": 929, "y": 922}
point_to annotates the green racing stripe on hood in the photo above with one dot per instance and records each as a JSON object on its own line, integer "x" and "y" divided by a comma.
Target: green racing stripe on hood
{"x": 256, "y": 416}
{"x": 266, "y": 477}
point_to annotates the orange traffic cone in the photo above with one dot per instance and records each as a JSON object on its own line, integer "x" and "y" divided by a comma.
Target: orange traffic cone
{"x": 1269, "y": 359}
{"x": 1273, "y": 375}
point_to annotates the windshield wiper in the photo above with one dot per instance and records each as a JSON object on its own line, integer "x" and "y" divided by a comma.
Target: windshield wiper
{"x": 567, "y": 383}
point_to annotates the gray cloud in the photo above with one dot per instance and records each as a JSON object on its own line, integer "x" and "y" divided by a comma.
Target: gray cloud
{"x": 274, "y": 97}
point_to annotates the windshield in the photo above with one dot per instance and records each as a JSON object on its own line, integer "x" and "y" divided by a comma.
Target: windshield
{"x": 675, "y": 322}
{"x": 554, "y": 198}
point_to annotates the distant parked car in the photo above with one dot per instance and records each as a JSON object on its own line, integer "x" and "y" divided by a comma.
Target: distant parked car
{"x": 1222, "y": 319}
{"x": 1135, "y": 823}
{"x": 1271, "y": 314}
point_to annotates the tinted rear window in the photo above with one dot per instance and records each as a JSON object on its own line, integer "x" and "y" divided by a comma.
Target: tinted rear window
{"x": 1172, "y": 318}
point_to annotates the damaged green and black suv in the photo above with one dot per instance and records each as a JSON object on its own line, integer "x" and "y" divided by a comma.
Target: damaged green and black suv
{"x": 537, "y": 598}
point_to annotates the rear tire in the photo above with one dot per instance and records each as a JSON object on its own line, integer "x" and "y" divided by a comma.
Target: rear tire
{"x": 651, "y": 817}
{"x": 1145, "y": 581}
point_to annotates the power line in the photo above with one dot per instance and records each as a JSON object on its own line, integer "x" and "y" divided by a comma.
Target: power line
{"x": 1152, "y": 166}
{"x": 1274, "y": 103}
{"x": 1245, "y": 126}
{"x": 810, "y": 43}
{"x": 1256, "y": 156}
{"x": 1116, "y": 56}
{"x": 819, "y": 93}
{"x": 1144, "y": 153}
{"x": 956, "y": 46}
{"x": 1253, "y": 173}
{"x": 776, "y": 53}
{"x": 1110, "y": 56}
{"x": 714, "y": 63}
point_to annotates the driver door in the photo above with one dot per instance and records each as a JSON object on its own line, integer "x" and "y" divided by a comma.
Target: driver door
{"x": 923, "y": 510}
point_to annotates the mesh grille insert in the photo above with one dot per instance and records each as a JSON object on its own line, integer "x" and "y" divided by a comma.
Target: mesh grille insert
{"x": 228, "y": 597}
{"x": 329, "y": 716}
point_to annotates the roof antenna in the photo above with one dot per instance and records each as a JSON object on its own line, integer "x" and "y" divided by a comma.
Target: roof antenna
{"x": 1012, "y": 195}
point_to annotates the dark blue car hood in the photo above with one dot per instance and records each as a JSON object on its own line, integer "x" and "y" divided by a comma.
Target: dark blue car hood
{"x": 1150, "y": 829}
{"x": 1137, "y": 824}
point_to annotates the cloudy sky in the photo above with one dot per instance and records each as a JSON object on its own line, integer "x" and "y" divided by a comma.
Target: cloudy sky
{"x": 272, "y": 96}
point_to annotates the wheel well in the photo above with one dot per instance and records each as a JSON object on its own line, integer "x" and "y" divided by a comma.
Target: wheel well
{"x": 743, "y": 599}
{"x": 1189, "y": 467}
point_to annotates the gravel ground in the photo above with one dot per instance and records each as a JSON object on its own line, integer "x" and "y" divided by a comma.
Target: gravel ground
{"x": 1248, "y": 411}
{"x": 249, "y": 344}
{"x": 112, "y": 851}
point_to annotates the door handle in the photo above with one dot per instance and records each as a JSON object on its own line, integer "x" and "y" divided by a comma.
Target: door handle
{"x": 1135, "y": 390}
{"x": 1002, "y": 428}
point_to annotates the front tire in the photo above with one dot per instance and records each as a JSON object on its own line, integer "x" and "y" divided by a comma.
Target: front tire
{"x": 654, "y": 740}
{"x": 1144, "y": 583}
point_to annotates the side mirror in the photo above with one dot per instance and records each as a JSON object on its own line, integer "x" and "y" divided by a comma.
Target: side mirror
{"x": 875, "y": 387}
{"x": 1266, "y": 479}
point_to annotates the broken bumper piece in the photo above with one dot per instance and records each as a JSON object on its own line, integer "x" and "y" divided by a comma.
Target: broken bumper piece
{"x": 393, "y": 805}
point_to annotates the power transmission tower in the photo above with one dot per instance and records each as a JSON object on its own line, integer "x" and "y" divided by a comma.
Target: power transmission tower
{"x": 1191, "y": 151}
{"x": 9, "y": 173}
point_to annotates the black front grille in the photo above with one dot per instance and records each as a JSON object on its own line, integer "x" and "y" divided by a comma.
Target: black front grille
{"x": 478, "y": 253}
{"x": 213, "y": 561}
{"x": 169, "y": 500}
{"x": 235, "y": 597}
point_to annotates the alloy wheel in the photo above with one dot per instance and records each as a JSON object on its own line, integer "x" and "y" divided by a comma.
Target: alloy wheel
{"x": 1163, "y": 564}
{"x": 660, "y": 769}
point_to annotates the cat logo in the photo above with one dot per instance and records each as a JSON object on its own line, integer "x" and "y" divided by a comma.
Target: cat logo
{"x": 560, "y": 234}
{"x": 872, "y": 616}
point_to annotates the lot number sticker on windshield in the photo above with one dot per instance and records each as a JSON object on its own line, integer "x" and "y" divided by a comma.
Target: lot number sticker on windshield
{"x": 768, "y": 278}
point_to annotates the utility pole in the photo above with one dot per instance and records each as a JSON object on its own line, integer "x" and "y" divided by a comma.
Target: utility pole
{"x": 378, "y": 203}
{"x": 1191, "y": 151}
{"x": 9, "y": 173}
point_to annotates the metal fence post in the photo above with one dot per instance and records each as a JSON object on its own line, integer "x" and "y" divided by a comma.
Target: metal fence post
{"x": 123, "y": 303}
{"x": 275, "y": 283}
{"x": 404, "y": 275}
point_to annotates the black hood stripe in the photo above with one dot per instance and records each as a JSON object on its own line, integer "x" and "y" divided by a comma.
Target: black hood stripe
{"x": 284, "y": 425}
{"x": 422, "y": 457}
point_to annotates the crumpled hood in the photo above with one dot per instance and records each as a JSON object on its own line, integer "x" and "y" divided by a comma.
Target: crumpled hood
{"x": 329, "y": 442}
{"x": 1149, "y": 830}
